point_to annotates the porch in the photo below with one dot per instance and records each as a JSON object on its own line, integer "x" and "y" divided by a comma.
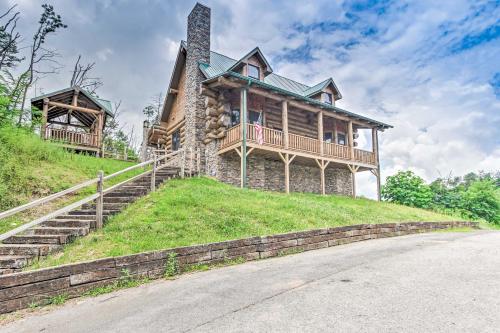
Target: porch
{"x": 274, "y": 140}
{"x": 73, "y": 118}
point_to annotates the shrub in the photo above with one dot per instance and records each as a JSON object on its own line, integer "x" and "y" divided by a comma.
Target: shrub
{"x": 481, "y": 201}
{"x": 408, "y": 189}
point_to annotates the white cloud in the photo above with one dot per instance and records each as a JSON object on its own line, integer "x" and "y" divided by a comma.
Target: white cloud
{"x": 104, "y": 54}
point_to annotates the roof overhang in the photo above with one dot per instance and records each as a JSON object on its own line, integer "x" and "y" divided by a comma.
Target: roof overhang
{"x": 248, "y": 81}
{"x": 180, "y": 62}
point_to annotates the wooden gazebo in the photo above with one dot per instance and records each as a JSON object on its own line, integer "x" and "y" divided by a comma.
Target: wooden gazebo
{"x": 74, "y": 118}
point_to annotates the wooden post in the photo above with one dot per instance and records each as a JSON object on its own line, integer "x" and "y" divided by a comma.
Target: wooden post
{"x": 350, "y": 139}
{"x": 153, "y": 174}
{"x": 243, "y": 117}
{"x": 335, "y": 134}
{"x": 99, "y": 201}
{"x": 45, "y": 112}
{"x": 353, "y": 169}
{"x": 377, "y": 160}
{"x": 287, "y": 160}
{"x": 322, "y": 166}
{"x": 320, "y": 132}
{"x": 284, "y": 122}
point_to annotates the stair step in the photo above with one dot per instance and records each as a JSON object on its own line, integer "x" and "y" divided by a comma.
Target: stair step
{"x": 11, "y": 262}
{"x": 68, "y": 223}
{"x": 38, "y": 239}
{"x": 124, "y": 199}
{"x": 59, "y": 231}
{"x": 87, "y": 217}
{"x": 107, "y": 205}
{"x": 33, "y": 250}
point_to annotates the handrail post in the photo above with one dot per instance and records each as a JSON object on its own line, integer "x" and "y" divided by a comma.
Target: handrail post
{"x": 99, "y": 200}
{"x": 153, "y": 175}
{"x": 183, "y": 162}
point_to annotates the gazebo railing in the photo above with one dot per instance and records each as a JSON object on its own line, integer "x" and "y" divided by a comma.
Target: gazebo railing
{"x": 72, "y": 137}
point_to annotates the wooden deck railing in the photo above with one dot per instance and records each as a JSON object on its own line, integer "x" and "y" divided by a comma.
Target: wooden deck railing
{"x": 233, "y": 135}
{"x": 336, "y": 150}
{"x": 275, "y": 138}
{"x": 364, "y": 156}
{"x": 72, "y": 137}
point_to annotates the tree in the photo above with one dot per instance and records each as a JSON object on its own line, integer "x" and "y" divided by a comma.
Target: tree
{"x": 9, "y": 38}
{"x": 49, "y": 23}
{"x": 481, "y": 200}
{"x": 81, "y": 78}
{"x": 406, "y": 188}
{"x": 153, "y": 109}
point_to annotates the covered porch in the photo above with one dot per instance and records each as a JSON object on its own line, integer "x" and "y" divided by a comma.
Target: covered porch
{"x": 74, "y": 119}
{"x": 289, "y": 130}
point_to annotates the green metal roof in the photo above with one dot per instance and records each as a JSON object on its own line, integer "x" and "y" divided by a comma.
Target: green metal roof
{"x": 220, "y": 65}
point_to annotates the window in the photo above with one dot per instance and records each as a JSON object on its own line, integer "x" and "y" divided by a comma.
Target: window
{"x": 326, "y": 98}
{"x": 254, "y": 117}
{"x": 235, "y": 117}
{"x": 176, "y": 140}
{"x": 341, "y": 140}
{"x": 328, "y": 137}
{"x": 253, "y": 71}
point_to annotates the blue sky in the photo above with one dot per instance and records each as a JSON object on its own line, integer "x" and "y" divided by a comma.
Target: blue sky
{"x": 430, "y": 68}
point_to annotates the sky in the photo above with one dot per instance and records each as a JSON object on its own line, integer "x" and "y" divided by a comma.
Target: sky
{"x": 429, "y": 68}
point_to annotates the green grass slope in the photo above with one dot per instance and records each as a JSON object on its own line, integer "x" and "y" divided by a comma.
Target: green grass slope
{"x": 32, "y": 168}
{"x": 202, "y": 210}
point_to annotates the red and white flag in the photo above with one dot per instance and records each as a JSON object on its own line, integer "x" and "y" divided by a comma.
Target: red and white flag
{"x": 258, "y": 130}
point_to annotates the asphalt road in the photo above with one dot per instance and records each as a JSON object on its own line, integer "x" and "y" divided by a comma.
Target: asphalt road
{"x": 439, "y": 282}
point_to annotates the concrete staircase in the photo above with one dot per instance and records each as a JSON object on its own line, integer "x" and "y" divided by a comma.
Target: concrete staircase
{"x": 21, "y": 250}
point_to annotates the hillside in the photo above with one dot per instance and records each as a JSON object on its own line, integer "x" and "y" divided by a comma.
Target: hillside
{"x": 32, "y": 168}
{"x": 202, "y": 210}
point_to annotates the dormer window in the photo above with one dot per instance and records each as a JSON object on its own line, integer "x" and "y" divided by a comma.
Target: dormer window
{"x": 253, "y": 72}
{"x": 326, "y": 98}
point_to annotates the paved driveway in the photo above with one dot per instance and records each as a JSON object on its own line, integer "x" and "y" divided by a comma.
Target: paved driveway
{"x": 439, "y": 282}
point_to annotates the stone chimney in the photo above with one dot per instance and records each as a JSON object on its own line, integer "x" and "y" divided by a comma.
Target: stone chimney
{"x": 198, "y": 50}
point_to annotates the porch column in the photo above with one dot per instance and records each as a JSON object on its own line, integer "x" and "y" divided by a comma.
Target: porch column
{"x": 287, "y": 159}
{"x": 353, "y": 169}
{"x": 377, "y": 160}
{"x": 334, "y": 139}
{"x": 243, "y": 117}
{"x": 74, "y": 102}
{"x": 320, "y": 132}
{"x": 45, "y": 112}
{"x": 322, "y": 166}
{"x": 350, "y": 139}
{"x": 284, "y": 122}
{"x": 100, "y": 127}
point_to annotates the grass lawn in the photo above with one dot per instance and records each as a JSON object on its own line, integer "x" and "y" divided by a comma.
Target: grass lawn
{"x": 31, "y": 168}
{"x": 202, "y": 210}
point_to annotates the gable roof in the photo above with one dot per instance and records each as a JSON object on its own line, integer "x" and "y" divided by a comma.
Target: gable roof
{"x": 220, "y": 64}
{"x": 99, "y": 103}
{"x": 255, "y": 51}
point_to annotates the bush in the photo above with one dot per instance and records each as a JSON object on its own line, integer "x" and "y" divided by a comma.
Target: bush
{"x": 481, "y": 201}
{"x": 408, "y": 189}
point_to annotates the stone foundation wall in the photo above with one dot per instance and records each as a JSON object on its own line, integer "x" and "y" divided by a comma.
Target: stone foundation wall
{"x": 269, "y": 175}
{"x": 24, "y": 289}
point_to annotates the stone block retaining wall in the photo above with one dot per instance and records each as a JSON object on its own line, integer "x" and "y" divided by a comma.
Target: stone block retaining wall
{"x": 20, "y": 290}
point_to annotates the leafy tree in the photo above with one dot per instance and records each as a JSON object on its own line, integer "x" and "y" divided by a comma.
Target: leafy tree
{"x": 406, "y": 188}
{"x": 481, "y": 200}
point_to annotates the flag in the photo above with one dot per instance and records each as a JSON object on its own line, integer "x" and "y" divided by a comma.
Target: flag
{"x": 258, "y": 130}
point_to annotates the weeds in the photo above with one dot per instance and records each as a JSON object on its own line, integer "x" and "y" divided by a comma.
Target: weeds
{"x": 172, "y": 265}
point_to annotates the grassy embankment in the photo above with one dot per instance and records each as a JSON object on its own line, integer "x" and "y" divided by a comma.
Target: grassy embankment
{"x": 31, "y": 168}
{"x": 202, "y": 210}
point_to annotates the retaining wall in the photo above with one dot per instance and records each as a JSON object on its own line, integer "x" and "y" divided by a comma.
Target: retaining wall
{"x": 20, "y": 290}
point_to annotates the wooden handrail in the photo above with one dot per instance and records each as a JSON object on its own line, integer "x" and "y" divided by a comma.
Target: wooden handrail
{"x": 75, "y": 188}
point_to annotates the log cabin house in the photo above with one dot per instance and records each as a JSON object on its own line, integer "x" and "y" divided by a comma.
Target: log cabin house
{"x": 73, "y": 118}
{"x": 214, "y": 103}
